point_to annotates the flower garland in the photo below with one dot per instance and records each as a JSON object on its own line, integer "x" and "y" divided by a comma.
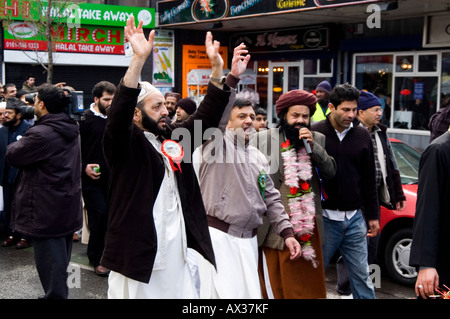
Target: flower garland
{"x": 297, "y": 173}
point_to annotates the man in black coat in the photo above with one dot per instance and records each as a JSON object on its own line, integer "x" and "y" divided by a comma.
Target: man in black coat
{"x": 150, "y": 186}
{"x": 47, "y": 203}
{"x": 388, "y": 181}
{"x": 351, "y": 195}
{"x": 14, "y": 127}
{"x": 430, "y": 248}
{"x": 95, "y": 175}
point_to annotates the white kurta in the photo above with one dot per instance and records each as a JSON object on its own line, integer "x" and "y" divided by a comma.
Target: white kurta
{"x": 171, "y": 276}
{"x": 237, "y": 264}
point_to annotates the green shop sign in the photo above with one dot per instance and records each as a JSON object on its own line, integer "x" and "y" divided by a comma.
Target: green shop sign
{"x": 26, "y": 36}
{"x": 74, "y": 13}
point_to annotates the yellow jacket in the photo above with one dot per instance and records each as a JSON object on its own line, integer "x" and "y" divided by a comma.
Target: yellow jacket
{"x": 318, "y": 114}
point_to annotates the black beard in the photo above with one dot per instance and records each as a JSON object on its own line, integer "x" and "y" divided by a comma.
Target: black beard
{"x": 151, "y": 125}
{"x": 10, "y": 123}
{"x": 101, "y": 108}
{"x": 292, "y": 134}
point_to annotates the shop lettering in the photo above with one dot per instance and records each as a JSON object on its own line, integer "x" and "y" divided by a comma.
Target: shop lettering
{"x": 289, "y": 4}
{"x": 12, "y": 9}
{"x": 19, "y": 45}
{"x": 197, "y": 54}
{"x": 169, "y": 15}
{"x": 87, "y": 35}
{"x": 88, "y": 14}
{"x": 273, "y": 40}
{"x": 119, "y": 16}
{"x": 65, "y": 47}
{"x": 245, "y": 5}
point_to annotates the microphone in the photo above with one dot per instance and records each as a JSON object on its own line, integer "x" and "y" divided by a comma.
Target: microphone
{"x": 305, "y": 142}
{"x": 307, "y": 146}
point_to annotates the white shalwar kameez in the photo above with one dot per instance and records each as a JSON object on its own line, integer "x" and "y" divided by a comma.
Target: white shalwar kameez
{"x": 171, "y": 277}
{"x": 237, "y": 262}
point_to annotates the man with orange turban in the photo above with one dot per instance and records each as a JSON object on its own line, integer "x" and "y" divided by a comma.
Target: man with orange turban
{"x": 296, "y": 172}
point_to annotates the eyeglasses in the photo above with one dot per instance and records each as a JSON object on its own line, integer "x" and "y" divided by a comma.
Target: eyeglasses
{"x": 376, "y": 109}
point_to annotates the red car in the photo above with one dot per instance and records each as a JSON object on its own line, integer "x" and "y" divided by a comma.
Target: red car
{"x": 395, "y": 226}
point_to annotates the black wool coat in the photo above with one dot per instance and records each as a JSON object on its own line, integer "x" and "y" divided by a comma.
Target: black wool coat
{"x": 431, "y": 241}
{"x": 136, "y": 173}
{"x": 47, "y": 199}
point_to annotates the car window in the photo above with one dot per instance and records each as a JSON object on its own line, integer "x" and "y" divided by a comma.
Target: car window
{"x": 408, "y": 162}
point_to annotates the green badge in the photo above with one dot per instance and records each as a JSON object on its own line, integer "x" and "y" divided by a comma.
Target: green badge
{"x": 262, "y": 182}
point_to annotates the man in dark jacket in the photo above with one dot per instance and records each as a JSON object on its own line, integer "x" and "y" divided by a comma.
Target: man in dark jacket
{"x": 388, "y": 181}
{"x": 47, "y": 201}
{"x": 389, "y": 184}
{"x": 155, "y": 207}
{"x": 440, "y": 121}
{"x": 95, "y": 174}
{"x": 430, "y": 248}
{"x": 351, "y": 192}
{"x": 14, "y": 127}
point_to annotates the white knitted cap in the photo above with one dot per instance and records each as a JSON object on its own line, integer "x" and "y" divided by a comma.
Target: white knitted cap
{"x": 146, "y": 90}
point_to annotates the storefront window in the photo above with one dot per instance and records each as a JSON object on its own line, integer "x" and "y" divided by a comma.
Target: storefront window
{"x": 406, "y": 84}
{"x": 326, "y": 65}
{"x": 310, "y": 66}
{"x": 316, "y": 71}
{"x": 445, "y": 80}
{"x": 428, "y": 63}
{"x": 404, "y": 63}
{"x": 310, "y": 83}
{"x": 374, "y": 74}
{"x": 414, "y": 102}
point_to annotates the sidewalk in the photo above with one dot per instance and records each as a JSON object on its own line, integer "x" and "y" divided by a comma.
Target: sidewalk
{"x": 19, "y": 278}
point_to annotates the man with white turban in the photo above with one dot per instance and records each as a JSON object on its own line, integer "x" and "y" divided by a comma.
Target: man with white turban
{"x": 155, "y": 207}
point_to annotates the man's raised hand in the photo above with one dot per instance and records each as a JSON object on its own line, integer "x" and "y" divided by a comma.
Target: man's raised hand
{"x": 142, "y": 47}
{"x": 212, "y": 50}
{"x": 240, "y": 60}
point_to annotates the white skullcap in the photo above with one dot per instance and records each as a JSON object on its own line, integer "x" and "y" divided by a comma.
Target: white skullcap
{"x": 146, "y": 90}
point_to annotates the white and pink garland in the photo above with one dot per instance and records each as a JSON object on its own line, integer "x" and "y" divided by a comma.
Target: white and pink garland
{"x": 297, "y": 173}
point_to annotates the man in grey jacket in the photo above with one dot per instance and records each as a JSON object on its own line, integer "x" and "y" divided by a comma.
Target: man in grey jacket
{"x": 237, "y": 191}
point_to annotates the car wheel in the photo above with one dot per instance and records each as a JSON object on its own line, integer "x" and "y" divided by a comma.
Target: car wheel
{"x": 397, "y": 253}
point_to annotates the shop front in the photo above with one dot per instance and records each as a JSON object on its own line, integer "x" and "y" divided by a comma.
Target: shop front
{"x": 293, "y": 44}
{"x": 411, "y": 84}
{"x": 398, "y": 50}
{"x": 87, "y": 44}
{"x": 286, "y": 60}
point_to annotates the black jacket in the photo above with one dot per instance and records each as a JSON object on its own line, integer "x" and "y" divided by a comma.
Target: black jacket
{"x": 393, "y": 179}
{"x": 431, "y": 241}
{"x": 354, "y": 185}
{"x": 92, "y": 128}
{"x": 136, "y": 173}
{"x": 47, "y": 199}
{"x": 19, "y": 131}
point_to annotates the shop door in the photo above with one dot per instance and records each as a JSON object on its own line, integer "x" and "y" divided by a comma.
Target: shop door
{"x": 282, "y": 77}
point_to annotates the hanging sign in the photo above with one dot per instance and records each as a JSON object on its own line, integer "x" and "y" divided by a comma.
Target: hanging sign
{"x": 26, "y": 36}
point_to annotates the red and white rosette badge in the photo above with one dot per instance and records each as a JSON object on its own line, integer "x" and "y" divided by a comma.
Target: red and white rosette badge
{"x": 174, "y": 152}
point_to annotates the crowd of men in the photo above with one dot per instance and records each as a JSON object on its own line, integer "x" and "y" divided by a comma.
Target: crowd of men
{"x": 247, "y": 212}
